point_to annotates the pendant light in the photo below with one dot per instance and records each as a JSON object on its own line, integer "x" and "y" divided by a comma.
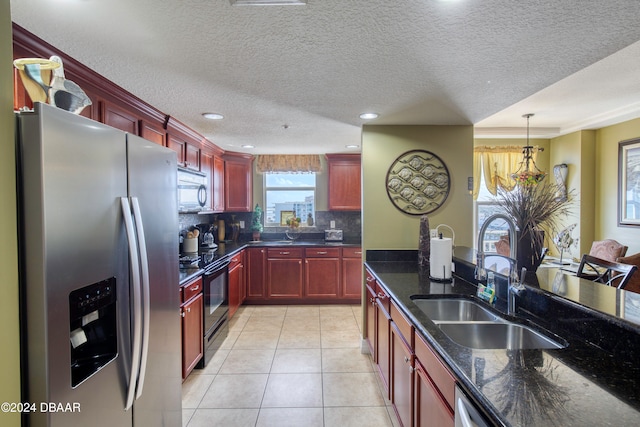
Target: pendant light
{"x": 528, "y": 172}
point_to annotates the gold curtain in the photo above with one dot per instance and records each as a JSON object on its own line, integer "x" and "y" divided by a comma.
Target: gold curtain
{"x": 296, "y": 163}
{"x": 497, "y": 164}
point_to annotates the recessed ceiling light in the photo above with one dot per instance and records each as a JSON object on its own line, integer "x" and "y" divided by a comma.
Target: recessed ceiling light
{"x": 268, "y": 2}
{"x": 213, "y": 116}
{"x": 369, "y": 116}
{"x": 248, "y": 146}
{"x": 352, "y": 146}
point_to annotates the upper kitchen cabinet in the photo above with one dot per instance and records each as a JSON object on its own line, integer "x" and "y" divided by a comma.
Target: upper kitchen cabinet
{"x": 185, "y": 142}
{"x": 118, "y": 117}
{"x": 153, "y": 132}
{"x": 212, "y": 164}
{"x": 238, "y": 179}
{"x": 344, "y": 182}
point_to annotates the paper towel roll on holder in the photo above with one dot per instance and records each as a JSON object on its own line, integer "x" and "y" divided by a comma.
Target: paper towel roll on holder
{"x": 441, "y": 256}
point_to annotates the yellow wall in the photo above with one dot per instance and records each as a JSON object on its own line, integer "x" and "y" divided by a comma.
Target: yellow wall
{"x": 386, "y": 227}
{"x": 9, "y": 330}
{"x": 606, "y": 190}
{"x": 577, "y": 150}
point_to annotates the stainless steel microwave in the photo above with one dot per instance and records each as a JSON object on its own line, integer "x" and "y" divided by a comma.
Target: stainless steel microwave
{"x": 192, "y": 191}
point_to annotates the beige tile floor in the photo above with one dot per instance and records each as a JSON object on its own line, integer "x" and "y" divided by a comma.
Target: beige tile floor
{"x": 288, "y": 366}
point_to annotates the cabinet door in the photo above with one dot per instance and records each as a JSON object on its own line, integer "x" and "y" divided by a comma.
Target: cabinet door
{"x": 218, "y": 184}
{"x": 284, "y": 277}
{"x": 370, "y": 308}
{"x": 383, "y": 344}
{"x": 234, "y": 289}
{"x": 153, "y": 133}
{"x": 352, "y": 272}
{"x": 191, "y": 334}
{"x": 179, "y": 146}
{"x": 192, "y": 157}
{"x": 431, "y": 410}
{"x": 344, "y": 182}
{"x": 119, "y": 118}
{"x": 256, "y": 269}
{"x": 206, "y": 166}
{"x": 401, "y": 376}
{"x": 322, "y": 277}
{"x": 237, "y": 185}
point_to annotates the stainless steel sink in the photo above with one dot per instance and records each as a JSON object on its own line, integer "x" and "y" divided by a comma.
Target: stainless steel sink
{"x": 497, "y": 335}
{"x": 452, "y": 309}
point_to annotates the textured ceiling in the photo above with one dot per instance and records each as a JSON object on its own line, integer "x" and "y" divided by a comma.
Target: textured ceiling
{"x": 315, "y": 68}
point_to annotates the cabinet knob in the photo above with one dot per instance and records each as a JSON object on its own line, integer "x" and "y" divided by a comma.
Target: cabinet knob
{"x": 412, "y": 369}
{"x": 381, "y": 295}
{"x": 322, "y": 252}
{"x": 406, "y": 359}
{"x": 284, "y": 253}
{"x": 189, "y": 310}
{"x": 195, "y": 288}
{"x": 182, "y": 314}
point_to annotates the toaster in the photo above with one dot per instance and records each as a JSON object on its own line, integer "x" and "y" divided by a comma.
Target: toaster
{"x": 333, "y": 235}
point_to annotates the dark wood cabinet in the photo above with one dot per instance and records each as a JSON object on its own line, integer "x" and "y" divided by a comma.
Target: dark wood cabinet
{"x": 370, "y": 314}
{"x": 322, "y": 272}
{"x": 236, "y": 282}
{"x": 192, "y": 328}
{"x": 402, "y": 366}
{"x": 180, "y": 147}
{"x": 238, "y": 182}
{"x": 118, "y": 118}
{"x": 383, "y": 339}
{"x": 185, "y": 142}
{"x": 256, "y": 274}
{"x": 218, "y": 184}
{"x": 351, "y": 280}
{"x": 284, "y": 273}
{"x": 153, "y": 132}
{"x": 344, "y": 181}
{"x": 192, "y": 157}
{"x": 431, "y": 410}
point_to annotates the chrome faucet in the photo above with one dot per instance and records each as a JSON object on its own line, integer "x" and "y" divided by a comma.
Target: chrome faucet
{"x": 516, "y": 288}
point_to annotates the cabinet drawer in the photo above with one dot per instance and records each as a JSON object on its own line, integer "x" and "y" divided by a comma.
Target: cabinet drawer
{"x": 352, "y": 252}
{"x": 191, "y": 289}
{"x": 285, "y": 252}
{"x": 402, "y": 324}
{"x": 322, "y": 252}
{"x": 371, "y": 281}
{"x": 436, "y": 370}
{"x": 236, "y": 260}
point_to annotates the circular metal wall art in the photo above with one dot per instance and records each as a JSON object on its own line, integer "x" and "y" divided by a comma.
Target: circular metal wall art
{"x": 418, "y": 182}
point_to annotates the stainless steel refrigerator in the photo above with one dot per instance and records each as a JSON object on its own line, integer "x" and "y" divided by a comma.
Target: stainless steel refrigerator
{"x": 100, "y": 316}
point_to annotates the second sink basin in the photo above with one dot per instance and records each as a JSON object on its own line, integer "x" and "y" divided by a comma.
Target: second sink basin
{"x": 497, "y": 335}
{"x": 453, "y": 309}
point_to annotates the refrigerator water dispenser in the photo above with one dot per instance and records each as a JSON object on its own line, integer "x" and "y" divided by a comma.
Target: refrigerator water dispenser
{"x": 92, "y": 329}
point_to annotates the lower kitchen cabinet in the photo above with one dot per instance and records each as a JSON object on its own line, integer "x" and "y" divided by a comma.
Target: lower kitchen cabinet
{"x": 236, "y": 283}
{"x": 351, "y": 273}
{"x": 256, "y": 273}
{"x": 419, "y": 385}
{"x": 322, "y": 272}
{"x": 284, "y": 273}
{"x": 192, "y": 328}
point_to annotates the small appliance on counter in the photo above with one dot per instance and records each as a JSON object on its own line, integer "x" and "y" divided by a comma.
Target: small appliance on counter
{"x": 441, "y": 256}
{"x": 333, "y": 235}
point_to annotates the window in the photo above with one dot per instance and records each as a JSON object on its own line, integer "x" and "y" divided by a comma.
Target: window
{"x": 289, "y": 194}
{"x": 486, "y": 206}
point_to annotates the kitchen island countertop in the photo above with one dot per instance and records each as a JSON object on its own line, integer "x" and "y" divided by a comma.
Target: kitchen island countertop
{"x": 591, "y": 382}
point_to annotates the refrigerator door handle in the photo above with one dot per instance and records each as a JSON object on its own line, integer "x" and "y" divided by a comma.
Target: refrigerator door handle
{"x": 146, "y": 294}
{"x": 136, "y": 311}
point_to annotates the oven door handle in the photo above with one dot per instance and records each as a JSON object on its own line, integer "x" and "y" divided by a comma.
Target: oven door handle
{"x": 219, "y": 268}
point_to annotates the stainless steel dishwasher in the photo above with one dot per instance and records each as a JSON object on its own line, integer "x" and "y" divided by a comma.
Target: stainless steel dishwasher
{"x": 466, "y": 413}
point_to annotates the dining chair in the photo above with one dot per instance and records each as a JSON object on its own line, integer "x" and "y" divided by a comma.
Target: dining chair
{"x": 633, "y": 284}
{"x": 606, "y": 272}
{"x": 607, "y": 249}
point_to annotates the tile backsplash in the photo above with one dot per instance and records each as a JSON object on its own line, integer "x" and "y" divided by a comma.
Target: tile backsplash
{"x": 350, "y": 222}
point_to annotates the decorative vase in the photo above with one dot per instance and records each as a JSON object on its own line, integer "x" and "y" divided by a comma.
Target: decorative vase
{"x": 255, "y": 236}
{"x": 529, "y": 253}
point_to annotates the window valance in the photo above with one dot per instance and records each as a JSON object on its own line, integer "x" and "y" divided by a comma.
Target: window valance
{"x": 291, "y": 163}
{"x": 497, "y": 164}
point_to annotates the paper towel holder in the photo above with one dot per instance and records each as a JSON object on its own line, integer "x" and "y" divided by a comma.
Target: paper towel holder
{"x": 447, "y": 273}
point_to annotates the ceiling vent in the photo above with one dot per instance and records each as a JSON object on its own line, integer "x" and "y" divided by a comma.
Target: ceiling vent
{"x": 268, "y": 2}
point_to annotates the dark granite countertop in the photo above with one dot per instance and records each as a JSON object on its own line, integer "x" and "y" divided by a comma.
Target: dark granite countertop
{"x": 594, "y": 381}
